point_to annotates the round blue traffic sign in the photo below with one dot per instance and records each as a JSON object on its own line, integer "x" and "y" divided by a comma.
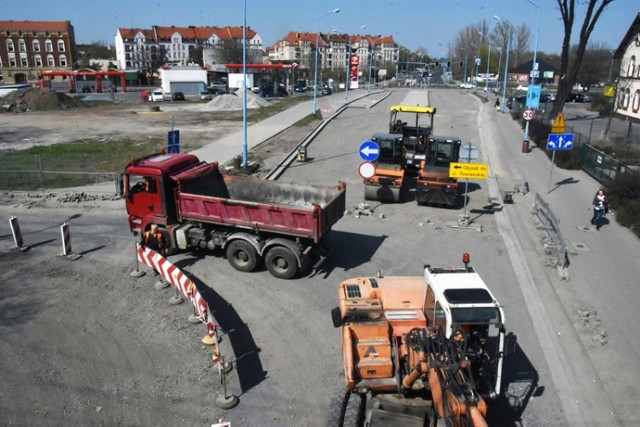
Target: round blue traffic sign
{"x": 369, "y": 151}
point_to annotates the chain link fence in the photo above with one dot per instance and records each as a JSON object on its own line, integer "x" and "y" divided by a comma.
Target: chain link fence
{"x": 38, "y": 172}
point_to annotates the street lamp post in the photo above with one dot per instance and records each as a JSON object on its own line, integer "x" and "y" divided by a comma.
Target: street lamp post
{"x": 506, "y": 66}
{"x": 486, "y": 77}
{"x": 346, "y": 93}
{"x": 525, "y": 143}
{"x": 315, "y": 71}
{"x": 373, "y": 52}
{"x": 498, "y": 75}
{"x": 245, "y": 155}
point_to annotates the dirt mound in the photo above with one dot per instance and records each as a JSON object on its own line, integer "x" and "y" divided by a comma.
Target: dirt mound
{"x": 38, "y": 99}
{"x": 230, "y": 102}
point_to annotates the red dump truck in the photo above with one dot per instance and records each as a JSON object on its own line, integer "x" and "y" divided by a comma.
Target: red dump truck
{"x": 253, "y": 220}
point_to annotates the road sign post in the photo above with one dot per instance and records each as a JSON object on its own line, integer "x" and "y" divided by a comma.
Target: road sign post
{"x": 369, "y": 151}
{"x": 173, "y": 141}
{"x": 555, "y": 142}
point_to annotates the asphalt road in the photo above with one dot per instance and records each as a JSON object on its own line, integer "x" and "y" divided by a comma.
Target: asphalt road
{"x": 127, "y": 356}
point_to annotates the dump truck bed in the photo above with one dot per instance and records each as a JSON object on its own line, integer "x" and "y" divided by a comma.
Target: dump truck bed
{"x": 306, "y": 211}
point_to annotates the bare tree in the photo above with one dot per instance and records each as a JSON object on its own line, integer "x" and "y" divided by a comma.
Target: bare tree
{"x": 468, "y": 42}
{"x": 520, "y": 44}
{"x": 569, "y": 69}
{"x": 596, "y": 64}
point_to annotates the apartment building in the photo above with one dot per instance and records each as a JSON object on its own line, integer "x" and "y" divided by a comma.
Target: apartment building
{"x": 333, "y": 50}
{"x": 28, "y": 47}
{"x": 148, "y": 49}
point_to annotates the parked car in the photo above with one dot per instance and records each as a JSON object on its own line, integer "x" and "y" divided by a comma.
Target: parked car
{"x": 327, "y": 90}
{"x": 268, "y": 91}
{"x": 522, "y": 87}
{"x": 578, "y": 97}
{"x": 156, "y": 96}
{"x": 216, "y": 91}
{"x": 177, "y": 96}
{"x": 547, "y": 97}
{"x": 299, "y": 88}
{"x": 517, "y": 101}
{"x": 205, "y": 96}
{"x": 466, "y": 86}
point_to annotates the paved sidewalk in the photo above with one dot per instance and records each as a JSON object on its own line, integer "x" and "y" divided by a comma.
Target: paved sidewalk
{"x": 593, "y": 314}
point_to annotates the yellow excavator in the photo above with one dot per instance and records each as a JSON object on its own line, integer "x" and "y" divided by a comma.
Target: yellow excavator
{"x": 419, "y": 351}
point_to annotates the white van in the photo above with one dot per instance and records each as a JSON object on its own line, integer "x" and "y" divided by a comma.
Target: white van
{"x": 156, "y": 95}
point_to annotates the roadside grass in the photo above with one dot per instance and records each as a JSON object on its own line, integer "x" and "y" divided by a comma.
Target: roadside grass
{"x": 70, "y": 164}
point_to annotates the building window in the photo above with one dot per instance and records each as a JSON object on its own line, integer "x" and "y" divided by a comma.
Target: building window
{"x": 38, "y": 60}
{"x": 636, "y": 102}
{"x": 625, "y": 101}
{"x": 63, "y": 61}
{"x": 48, "y": 46}
{"x": 632, "y": 66}
{"x": 22, "y": 46}
{"x": 60, "y": 45}
{"x": 10, "y": 47}
{"x": 12, "y": 62}
{"x": 50, "y": 61}
{"x": 24, "y": 62}
{"x": 36, "y": 45}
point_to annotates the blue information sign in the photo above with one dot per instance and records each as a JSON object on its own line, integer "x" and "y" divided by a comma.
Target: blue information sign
{"x": 173, "y": 141}
{"x": 533, "y": 96}
{"x": 560, "y": 141}
{"x": 369, "y": 151}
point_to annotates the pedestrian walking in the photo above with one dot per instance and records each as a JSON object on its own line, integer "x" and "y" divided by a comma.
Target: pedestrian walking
{"x": 600, "y": 209}
{"x": 497, "y": 104}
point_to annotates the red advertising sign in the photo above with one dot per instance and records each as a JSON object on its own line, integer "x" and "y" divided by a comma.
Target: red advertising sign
{"x": 355, "y": 60}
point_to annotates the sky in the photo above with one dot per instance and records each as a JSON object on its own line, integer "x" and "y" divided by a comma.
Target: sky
{"x": 428, "y": 24}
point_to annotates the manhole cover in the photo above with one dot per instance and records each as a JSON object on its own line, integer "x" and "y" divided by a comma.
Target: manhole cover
{"x": 581, "y": 246}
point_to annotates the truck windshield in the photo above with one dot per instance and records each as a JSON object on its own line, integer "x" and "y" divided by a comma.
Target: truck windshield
{"x": 476, "y": 315}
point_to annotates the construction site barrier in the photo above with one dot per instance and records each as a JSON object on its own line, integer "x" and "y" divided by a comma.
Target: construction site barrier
{"x": 182, "y": 283}
{"x": 17, "y": 235}
{"x": 67, "y": 252}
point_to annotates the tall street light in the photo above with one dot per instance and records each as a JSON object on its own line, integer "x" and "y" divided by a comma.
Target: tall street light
{"x": 315, "y": 73}
{"x": 373, "y": 52}
{"x": 498, "y": 75}
{"x": 486, "y": 77}
{"x": 346, "y": 93}
{"x": 525, "y": 143}
{"x": 475, "y": 85}
{"x": 245, "y": 155}
{"x": 506, "y": 65}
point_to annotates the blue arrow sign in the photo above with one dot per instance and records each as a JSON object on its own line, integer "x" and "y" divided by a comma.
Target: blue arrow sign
{"x": 173, "y": 141}
{"x": 369, "y": 151}
{"x": 560, "y": 141}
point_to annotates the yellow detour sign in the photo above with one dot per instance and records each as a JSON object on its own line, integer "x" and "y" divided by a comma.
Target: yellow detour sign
{"x": 558, "y": 124}
{"x": 468, "y": 170}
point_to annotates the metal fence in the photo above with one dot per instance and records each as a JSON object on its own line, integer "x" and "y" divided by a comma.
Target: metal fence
{"x": 19, "y": 172}
{"x": 556, "y": 245}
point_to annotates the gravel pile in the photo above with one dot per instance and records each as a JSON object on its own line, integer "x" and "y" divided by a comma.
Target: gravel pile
{"x": 38, "y": 99}
{"x": 231, "y": 102}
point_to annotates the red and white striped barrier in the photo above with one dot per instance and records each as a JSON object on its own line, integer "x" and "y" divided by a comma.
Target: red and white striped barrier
{"x": 17, "y": 235}
{"x": 66, "y": 243}
{"x": 178, "y": 279}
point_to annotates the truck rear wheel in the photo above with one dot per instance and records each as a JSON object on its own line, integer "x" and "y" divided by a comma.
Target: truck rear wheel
{"x": 281, "y": 262}
{"x": 242, "y": 255}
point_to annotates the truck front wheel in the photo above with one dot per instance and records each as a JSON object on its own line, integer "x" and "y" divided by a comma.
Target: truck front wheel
{"x": 281, "y": 262}
{"x": 242, "y": 255}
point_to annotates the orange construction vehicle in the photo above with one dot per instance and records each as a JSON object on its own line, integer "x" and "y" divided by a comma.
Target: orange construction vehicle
{"x": 424, "y": 350}
{"x": 434, "y": 186}
{"x": 387, "y": 183}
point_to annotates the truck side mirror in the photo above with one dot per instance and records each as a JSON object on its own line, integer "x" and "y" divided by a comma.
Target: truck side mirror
{"x": 120, "y": 185}
{"x": 510, "y": 344}
{"x": 336, "y": 317}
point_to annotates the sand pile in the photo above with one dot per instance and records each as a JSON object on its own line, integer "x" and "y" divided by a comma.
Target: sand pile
{"x": 230, "y": 102}
{"x": 38, "y": 99}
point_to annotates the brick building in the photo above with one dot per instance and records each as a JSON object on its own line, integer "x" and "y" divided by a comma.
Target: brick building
{"x": 28, "y": 47}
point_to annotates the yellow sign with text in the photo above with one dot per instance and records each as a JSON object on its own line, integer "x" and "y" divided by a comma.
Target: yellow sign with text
{"x": 468, "y": 170}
